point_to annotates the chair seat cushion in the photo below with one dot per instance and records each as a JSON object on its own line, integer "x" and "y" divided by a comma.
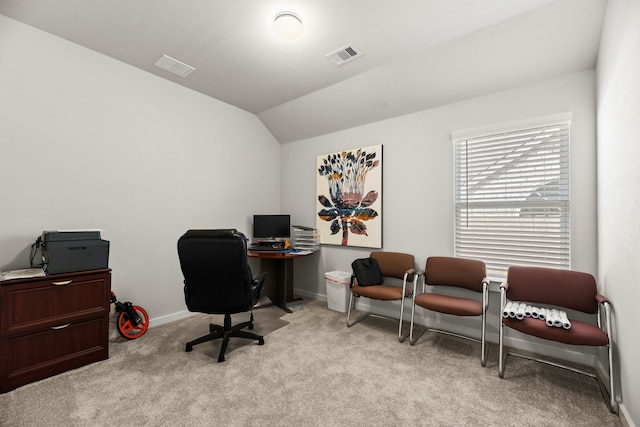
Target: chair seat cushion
{"x": 581, "y": 333}
{"x": 380, "y": 292}
{"x": 449, "y": 305}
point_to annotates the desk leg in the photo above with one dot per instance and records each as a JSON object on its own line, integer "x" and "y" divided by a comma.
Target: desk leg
{"x": 287, "y": 281}
{"x": 279, "y": 281}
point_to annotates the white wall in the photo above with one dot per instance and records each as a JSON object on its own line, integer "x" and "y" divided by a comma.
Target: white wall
{"x": 418, "y": 181}
{"x": 418, "y": 171}
{"x": 618, "y": 107}
{"x": 89, "y": 142}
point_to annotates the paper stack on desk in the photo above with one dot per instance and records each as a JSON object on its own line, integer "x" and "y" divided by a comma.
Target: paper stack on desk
{"x": 22, "y": 273}
{"x": 305, "y": 238}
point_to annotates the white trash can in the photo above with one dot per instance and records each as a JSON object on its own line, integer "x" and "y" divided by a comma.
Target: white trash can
{"x": 338, "y": 290}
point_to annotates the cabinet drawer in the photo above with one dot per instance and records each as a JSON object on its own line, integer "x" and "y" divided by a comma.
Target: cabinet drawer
{"x": 54, "y": 301}
{"x": 32, "y": 357}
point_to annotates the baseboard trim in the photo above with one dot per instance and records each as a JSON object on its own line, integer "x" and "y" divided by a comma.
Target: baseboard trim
{"x": 624, "y": 417}
{"x": 157, "y": 321}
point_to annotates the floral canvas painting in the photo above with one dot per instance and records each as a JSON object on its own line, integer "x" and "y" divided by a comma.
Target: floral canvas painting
{"x": 349, "y": 197}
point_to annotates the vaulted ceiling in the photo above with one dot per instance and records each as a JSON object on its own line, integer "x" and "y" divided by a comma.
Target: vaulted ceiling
{"x": 416, "y": 54}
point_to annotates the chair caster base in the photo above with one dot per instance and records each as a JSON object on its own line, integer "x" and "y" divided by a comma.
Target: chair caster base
{"x": 226, "y": 332}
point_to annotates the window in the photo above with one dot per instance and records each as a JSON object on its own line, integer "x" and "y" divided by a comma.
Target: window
{"x": 512, "y": 196}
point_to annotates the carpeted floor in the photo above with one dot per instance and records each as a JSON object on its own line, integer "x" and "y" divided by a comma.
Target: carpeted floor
{"x": 312, "y": 371}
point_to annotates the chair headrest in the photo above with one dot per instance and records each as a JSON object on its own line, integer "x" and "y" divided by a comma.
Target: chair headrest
{"x": 453, "y": 271}
{"x": 565, "y": 288}
{"x": 227, "y": 232}
{"x": 394, "y": 264}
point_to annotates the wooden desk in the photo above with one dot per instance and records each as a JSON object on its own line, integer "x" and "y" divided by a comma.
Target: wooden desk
{"x": 278, "y": 285}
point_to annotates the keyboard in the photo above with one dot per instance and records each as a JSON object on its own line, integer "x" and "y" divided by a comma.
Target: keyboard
{"x": 265, "y": 249}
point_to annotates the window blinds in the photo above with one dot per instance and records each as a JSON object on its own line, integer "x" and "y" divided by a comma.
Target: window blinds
{"x": 512, "y": 200}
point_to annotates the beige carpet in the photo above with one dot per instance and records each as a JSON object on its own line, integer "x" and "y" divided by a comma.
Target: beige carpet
{"x": 313, "y": 371}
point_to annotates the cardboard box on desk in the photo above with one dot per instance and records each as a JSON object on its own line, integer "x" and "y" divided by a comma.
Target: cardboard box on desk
{"x": 69, "y": 251}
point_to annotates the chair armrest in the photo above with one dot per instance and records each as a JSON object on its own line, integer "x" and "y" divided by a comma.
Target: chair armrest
{"x": 410, "y": 273}
{"x": 504, "y": 286}
{"x": 259, "y": 278}
{"x": 418, "y": 274}
{"x": 257, "y": 286}
{"x": 601, "y": 299}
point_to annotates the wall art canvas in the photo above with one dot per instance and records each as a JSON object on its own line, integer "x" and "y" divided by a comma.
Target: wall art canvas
{"x": 349, "y": 197}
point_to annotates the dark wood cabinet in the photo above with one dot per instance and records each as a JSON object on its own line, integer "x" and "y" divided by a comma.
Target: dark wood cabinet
{"x": 52, "y": 324}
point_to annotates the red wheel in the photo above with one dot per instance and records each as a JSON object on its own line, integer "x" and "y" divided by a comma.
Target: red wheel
{"x": 127, "y": 329}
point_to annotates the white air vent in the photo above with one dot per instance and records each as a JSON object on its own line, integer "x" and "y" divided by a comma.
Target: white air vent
{"x": 173, "y": 65}
{"x": 344, "y": 54}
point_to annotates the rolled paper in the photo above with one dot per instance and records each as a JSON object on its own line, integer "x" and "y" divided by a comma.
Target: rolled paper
{"x": 549, "y": 318}
{"x": 527, "y": 311}
{"x": 549, "y": 321}
{"x": 556, "y": 318}
{"x": 535, "y": 311}
{"x": 506, "y": 309}
{"x": 566, "y": 323}
{"x": 553, "y": 318}
{"x": 542, "y": 314}
{"x": 520, "y": 311}
{"x": 513, "y": 309}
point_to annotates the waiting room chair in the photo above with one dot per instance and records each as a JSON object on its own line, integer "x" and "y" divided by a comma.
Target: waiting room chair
{"x": 218, "y": 280}
{"x": 394, "y": 265}
{"x": 553, "y": 288}
{"x": 466, "y": 274}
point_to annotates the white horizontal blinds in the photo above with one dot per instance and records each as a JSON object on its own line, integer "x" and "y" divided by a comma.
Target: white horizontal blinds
{"x": 512, "y": 197}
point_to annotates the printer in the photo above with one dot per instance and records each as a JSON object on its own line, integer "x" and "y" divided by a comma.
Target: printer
{"x": 69, "y": 251}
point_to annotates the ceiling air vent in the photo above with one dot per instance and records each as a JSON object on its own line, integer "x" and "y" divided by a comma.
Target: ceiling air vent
{"x": 344, "y": 54}
{"x": 173, "y": 65}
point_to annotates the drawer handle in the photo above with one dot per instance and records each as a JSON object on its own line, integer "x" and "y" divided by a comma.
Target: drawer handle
{"x": 60, "y": 327}
{"x": 66, "y": 282}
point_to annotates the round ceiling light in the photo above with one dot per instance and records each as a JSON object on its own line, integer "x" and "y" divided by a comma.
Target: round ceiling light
{"x": 287, "y": 26}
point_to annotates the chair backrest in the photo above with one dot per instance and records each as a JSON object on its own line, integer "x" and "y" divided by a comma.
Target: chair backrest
{"x": 394, "y": 264}
{"x": 458, "y": 272}
{"x": 217, "y": 278}
{"x": 564, "y": 288}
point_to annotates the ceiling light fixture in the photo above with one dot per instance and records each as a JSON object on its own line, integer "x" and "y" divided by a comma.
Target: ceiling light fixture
{"x": 287, "y": 26}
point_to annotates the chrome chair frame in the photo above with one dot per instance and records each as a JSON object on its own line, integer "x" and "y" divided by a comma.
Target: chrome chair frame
{"x": 401, "y": 336}
{"x": 485, "y": 305}
{"x": 603, "y": 307}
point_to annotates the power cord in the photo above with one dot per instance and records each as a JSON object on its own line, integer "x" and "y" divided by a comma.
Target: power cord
{"x": 34, "y": 249}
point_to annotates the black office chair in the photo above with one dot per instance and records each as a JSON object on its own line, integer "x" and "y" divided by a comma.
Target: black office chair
{"x": 218, "y": 280}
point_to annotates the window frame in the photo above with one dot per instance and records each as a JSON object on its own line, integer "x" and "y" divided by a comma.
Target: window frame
{"x": 485, "y": 207}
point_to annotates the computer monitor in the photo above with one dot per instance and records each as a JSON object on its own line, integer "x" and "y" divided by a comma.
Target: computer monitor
{"x": 266, "y": 227}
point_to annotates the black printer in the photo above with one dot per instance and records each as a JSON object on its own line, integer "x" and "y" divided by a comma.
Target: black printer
{"x": 69, "y": 251}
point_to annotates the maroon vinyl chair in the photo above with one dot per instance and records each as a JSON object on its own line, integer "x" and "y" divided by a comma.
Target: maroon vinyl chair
{"x": 563, "y": 289}
{"x": 393, "y": 265}
{"x": 466, "y": 274}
